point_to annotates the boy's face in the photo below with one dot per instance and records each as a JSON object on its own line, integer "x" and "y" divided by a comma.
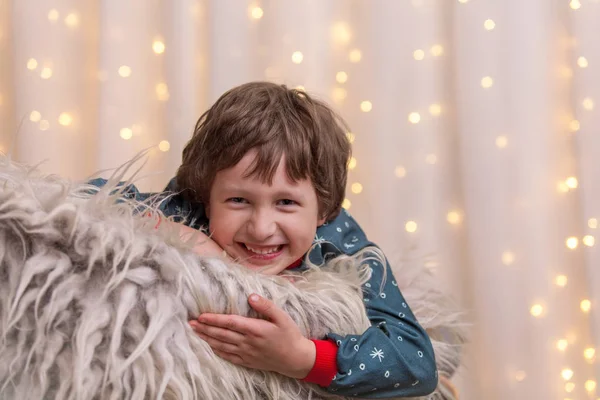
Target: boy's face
{"x": 260, "y": 225}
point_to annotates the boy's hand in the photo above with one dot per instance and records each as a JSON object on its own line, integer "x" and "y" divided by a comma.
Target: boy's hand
{"x": 275, "y": 344}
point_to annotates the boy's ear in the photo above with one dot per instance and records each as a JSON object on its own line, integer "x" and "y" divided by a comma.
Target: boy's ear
{"x": 321, "y": 221}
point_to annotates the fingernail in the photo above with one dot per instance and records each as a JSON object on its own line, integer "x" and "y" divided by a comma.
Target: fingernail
{"x": 254, "y": 298}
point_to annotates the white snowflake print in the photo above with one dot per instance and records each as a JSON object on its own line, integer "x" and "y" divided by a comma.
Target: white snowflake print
{"x": 367, "y": 284}
{"x": 354, "y": 239}
{"x": 416, "y": 383}
{"x": 347, "y": 224}
{"x": 394, "y": 283}
{"x": 339, "y": 343}
{"x": 349, "y": 372}
{"x": 338, "y": 229}
{"x": 377, "y": 353}
{"x": 396, "y": 385}
{"x": 401, "y": 315}
{"x": 366, "y": 300}
{"x": 387, "y": 374}
{"x": 356, "y": 347}
{"x": 353, "y": 339}
{"x": 400, "y": 338}
{"x": 382, "y": 295}
{"x": 362, "y": 367}
{"x": 319, "y": 240}
{"x": 348, "y": 245}
{"x": 404, "y": 305}
{"x": 420, "y": 353}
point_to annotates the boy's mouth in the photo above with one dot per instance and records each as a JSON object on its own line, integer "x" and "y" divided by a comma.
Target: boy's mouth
{"x": 262, "y": 253}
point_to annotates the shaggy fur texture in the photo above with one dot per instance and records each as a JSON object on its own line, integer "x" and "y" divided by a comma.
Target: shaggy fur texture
{"x": 94, "y": 302}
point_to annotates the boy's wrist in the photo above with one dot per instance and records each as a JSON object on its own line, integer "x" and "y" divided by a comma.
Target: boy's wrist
{"x": 305, "y": 360}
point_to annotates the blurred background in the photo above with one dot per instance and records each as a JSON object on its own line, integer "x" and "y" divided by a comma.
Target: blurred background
{"x": 475, "y": 130}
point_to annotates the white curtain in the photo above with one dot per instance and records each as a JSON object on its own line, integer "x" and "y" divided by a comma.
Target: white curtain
{"x": 475, "y": 127}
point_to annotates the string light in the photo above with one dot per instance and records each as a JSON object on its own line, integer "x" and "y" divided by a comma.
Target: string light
{"x": 575, "y": 4}
{"x": 572, "y": 182}
{"x": 72, "y": 20}
{"x": 501, "y": 142}
{"x": 582, "y": 62}
{"x": 256, "y": 12}
{"x": 463, "y": 1}
{"x": 300, "y": 88}
{"x": 352, "y": 163}
{"x": 158, "y": 46}
{"x": 454, "y": 217}
{"x": 435, "y": 109}
{"x": 46, "y": 73}
{"x": 124, "y": 71}
{"x": 355, "y": 55}
{"x": 65, "y": 119}
{"x": 569, "y": 387}
{"x": 35, "y": 116}
{"x": 346, "y": 204}
{"x": 400, "y": 172}
{"x": 489, "y": 25}
{"x": 164, "y": 145}
{"x": 414, "y": 117}
{"x": 32, "y": 64}
{"x": 572, "y": 242}
{"x": 566, "y": 374}
{"x": 508, "y": 258}
{"x": 44, "y": 125}
{"x": 562, "y": 344}
{"x": 340, "y": 33}
{"x": 590, "y": 385}
{"x": 574, "y": 125}
{"x": 418, "y": 54}
{"x": 341, "y": 77}
{"x": 588, "y": 240}
{"x": 585, "y": 305}
{"x": 537, "y": 310}
{"x": 162, "y": 91}
{"x": 589, "y": 353}
{"x": 356, "y": 188}
{"x": 593, "y": 223}
{"x": 561, "y": 280}
{"x": 411, "y": 226}
{"x": 437, "y": 50}
{"x": 350, "y": 137}
{"x": 588, "y": 104}
{"x": 126, "y": 133}
{"x": 487, "y": 82}
{"x": 53, "y": 15}
{"x": 297, "y": 57}
{"x": 366, "y": 106}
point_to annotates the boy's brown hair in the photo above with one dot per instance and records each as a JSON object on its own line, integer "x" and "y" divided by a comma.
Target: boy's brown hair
{"x": 274, "y": 120}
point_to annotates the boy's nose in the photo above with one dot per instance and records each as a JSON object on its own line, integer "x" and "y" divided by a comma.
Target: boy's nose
{"x": 261, "y": 225}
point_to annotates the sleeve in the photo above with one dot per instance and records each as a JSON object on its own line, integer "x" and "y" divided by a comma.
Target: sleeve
{"x": 392, "y": 358}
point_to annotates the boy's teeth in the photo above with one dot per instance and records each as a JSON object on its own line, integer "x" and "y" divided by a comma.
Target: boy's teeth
{"x": 263, "y": 251}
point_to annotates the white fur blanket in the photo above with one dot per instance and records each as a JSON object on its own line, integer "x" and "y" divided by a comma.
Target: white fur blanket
{"x": 95, "y": 303}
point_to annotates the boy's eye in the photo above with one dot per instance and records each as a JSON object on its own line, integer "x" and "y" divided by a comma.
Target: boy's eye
{"x": 287, "y": 202}
{"x": 236, "y": 200}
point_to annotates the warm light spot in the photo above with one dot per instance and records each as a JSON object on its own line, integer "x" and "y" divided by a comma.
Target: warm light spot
{"x": 431, "y": 159}
{"x": 162, "y": 91}
{"x": 582, "y": 62}
{"x": 297, "y": 57}
{"x": 256, "y": 12}
{"x": 566, "y": 72}
{"x": 537, "y": 310}
{"x": 53, "y": 15}
{"x": 454, "y": 217}
{"x": 350, "y": 137}
{"x": 339, "y": 94}
{"x": 520, "y": 375}
{"x": 435, "y": 109}
{"x": 414, "y": 117}
{"x": 164, "y": 145}
{"x": 366, "y": 106}
{"x": 572, "y": 242}
{"x": 561, "y": 280}
{"x": 501, "y": 142}
{"x": 508, "y": 258}
{"x": 590, "y": 385}
{"x": 400, "y": 172}
{"x": 562, "y": 344}
{"x": 588, "y": 240}
{"x": 35, "y": 116}
{"x": 158, "y": 46}
{"x": 487, "y": 82}
{"x": 356, "y": 188}
{"x": 562, "y": 187}
{"x": 463, "y": 1}
{"x": 126, "y": 133}
{"x": 124, "y": 71}
{"x": 411, "y": 226}
{"x": 585, "y": 305}
{"x": 566, "y": 374}
{"x": 44, "y": 125}
{"x": 589, "y": 353}
{"x": 419, "y": 54}
{"x": 489, "y": 24}
{"x": 346, "y": 204}
{"x": 574, "y": 125}
{"x": 575, "y": 4}
{"x": 593, "y": 223}
{"x": 340, "y": 33}
{"x": 72, "y": 20}
{"x": 341, "y": 77}
{"x": 569, "y": 387}
{"x": 46, "y": 73}
{"x": 32, "y": 64}
{"x": 437, "y": 50}
{"x": 588, "y": 104}
{"x": 301, "y": 88}
{"x": 65, "y": 119}
{"x": 355, "y": 55}
{"x": 571, "y": 182}
{"x": 352, "y": 163}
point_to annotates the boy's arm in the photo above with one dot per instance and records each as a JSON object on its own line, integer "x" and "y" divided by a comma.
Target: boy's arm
{"x": 394, "y": 357}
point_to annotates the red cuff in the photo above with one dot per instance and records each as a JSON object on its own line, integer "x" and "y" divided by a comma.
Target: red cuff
{"x": 325, "y": 368}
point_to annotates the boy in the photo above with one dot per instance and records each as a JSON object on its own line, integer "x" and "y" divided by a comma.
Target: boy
{"x": 270, "y": 166}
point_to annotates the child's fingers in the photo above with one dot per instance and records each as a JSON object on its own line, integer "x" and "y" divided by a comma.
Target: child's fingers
{"x": 221, "y": 334}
